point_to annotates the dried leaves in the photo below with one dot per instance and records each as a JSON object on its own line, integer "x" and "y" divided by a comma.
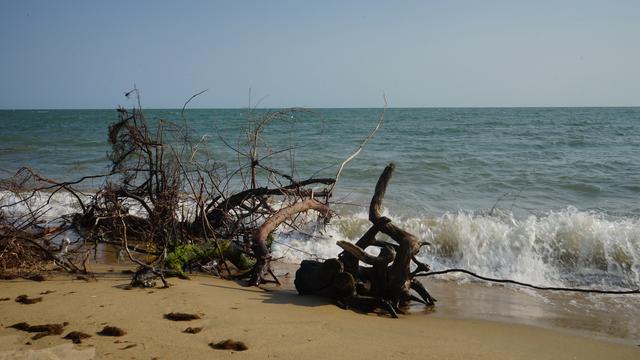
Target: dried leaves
{"x": 41, "y": 330}
{"x": 177, "y": 316}
{"x": 229, "y": 345}
{"x": 24, "y": 299}
{"x": 112, "y": 331}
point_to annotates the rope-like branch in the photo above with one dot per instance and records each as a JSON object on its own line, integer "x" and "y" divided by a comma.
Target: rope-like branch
{"x": 546, "y": 288}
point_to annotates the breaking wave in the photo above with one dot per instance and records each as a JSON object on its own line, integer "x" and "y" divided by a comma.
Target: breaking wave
{"x": 556, "y": 248}
{"x": 568, "y": 247}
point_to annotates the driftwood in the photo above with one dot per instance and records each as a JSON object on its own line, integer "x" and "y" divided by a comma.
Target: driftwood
{"x": 259, "y": 246}
{"x": 386, "y": 282}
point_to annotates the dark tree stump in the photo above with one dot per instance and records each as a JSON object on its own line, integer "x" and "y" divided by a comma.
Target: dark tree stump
{"x": 326, "y": 279}
{"x": 386, "y": 283}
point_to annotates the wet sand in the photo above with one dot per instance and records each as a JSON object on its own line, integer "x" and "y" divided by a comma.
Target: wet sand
{"x": 273, "y": 324}
{"x": 609, "y": 317}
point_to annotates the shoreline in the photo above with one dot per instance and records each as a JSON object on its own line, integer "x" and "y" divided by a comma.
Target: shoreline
{"x": 568, "y": 313}
{"x": 274, "y": 324}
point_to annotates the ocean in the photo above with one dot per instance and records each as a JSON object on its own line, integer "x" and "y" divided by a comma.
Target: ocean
{"x": 547, "y": 196}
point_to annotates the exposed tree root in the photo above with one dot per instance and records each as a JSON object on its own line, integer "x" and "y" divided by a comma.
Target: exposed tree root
{"x": 386, "y": 283}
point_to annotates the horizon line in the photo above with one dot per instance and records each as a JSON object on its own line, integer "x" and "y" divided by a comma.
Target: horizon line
{"x": 338, "y": 107}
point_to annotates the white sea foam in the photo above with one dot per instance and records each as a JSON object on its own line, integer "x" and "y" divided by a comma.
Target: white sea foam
{"x": 559, "y": 248}
{"x": 49, "y": 206}
{"x": 556, "y": 248}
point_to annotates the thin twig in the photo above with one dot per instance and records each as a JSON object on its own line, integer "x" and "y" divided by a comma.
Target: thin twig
{"x": 188, "y": 101}
{"x": 360, "y": 147}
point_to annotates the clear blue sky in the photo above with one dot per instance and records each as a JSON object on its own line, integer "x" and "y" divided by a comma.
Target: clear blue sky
{"x": 85, "y": 54}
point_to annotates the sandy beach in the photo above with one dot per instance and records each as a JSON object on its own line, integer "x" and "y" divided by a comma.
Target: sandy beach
{"x": 273, "y": 324}
{"x": 439, "y": 179}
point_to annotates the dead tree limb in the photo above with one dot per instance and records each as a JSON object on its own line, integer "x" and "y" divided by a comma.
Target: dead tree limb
{"x": 259, "y": 246}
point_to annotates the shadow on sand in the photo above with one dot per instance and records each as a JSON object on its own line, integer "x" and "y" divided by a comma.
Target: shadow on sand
{"x": 278, "y": 296}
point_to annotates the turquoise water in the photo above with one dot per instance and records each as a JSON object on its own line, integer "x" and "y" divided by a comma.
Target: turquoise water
{"x": 547, "y": 195}
{"x": 526, "y": 159}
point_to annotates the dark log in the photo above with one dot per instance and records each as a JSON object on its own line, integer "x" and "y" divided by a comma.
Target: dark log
{"x": 325, "y": 279}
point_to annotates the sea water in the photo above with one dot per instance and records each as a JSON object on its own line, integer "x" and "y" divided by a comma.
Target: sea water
{"x": 547, "y": 196}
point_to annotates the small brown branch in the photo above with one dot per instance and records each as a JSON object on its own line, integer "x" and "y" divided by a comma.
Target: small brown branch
{"x": 125, "y": 245}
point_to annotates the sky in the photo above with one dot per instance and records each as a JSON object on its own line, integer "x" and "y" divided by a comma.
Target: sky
{"x": 455, "y": 53}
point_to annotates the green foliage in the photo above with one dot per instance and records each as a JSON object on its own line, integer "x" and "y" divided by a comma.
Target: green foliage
{"x": 237, "y": 258}
{"x": 183, "y": 255}
{"x": 270, "y": 240}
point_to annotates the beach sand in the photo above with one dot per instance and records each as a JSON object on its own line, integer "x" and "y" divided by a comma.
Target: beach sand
{"x": 276, "y": 324}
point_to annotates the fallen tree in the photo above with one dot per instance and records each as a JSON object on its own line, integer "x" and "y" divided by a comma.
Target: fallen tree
{"x": 163, "y": 198}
